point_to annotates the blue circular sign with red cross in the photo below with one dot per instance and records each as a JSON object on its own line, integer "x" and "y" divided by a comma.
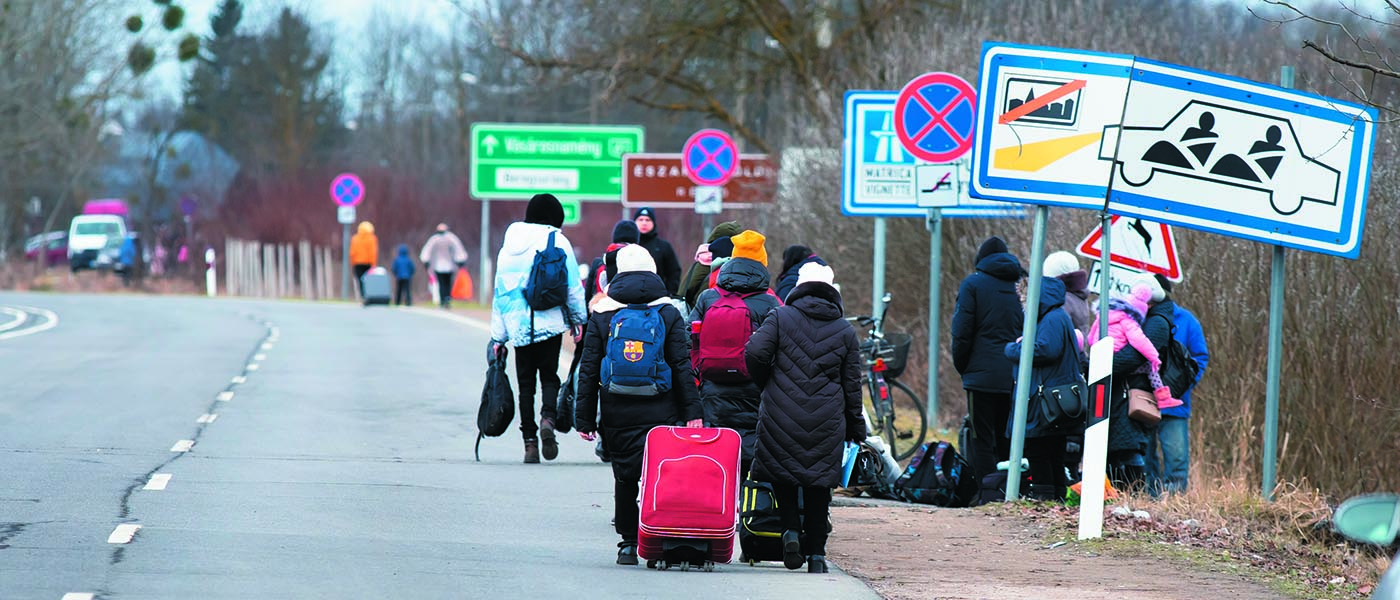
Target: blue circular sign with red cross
{"x": 935, "y": 115}
{"x": 347, "y": 189}
{"x": 710, "y": 157}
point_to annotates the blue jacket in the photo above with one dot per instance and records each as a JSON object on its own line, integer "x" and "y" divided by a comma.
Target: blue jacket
{"x": 403, "y": 265}
{"x": 1056, "y": 358}
{"x": 987, "y": 316}
{"x": 1189, "y": 333}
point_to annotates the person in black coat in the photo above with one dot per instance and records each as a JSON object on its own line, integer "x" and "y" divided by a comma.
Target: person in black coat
{"x": 626, "y": 419}
{"x": 807, "y": 360}
{"x": 735, "y": 405}
{"x": 667, "y": 265}
{"x": 793, "y": 258}
{"x": 987, "y": 316}
{"x": 623, "y": 233}
{"x": 1127, "y": 439}
{"x": 1056, "y": 361}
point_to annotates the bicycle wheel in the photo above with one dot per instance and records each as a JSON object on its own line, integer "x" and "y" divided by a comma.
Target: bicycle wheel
{"x": 910, "y": 423}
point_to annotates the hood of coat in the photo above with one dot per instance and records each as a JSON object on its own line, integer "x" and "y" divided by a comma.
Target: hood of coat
{"x": 1003, "y": 266}
{"x": 365, "y": 227}
{"x": 403, "y": 250}
{"x": 1052, "y": 295}
{"x": 723, "y": 230}
{"x": 1076, "y": 282}
{"x": 817, "y": 300}
{"x": 635, "y": 287}
{"x": 523, "y": 238}
{"x": 743, "y": 275}
{"x": 990, "y": 246}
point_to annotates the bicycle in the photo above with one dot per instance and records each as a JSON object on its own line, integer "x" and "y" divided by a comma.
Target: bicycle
{"x": 896, "y": 412}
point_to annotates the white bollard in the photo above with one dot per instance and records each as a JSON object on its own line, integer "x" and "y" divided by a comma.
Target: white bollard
{"x": 1096, "y": 440}
{"x": 211, "y": 280}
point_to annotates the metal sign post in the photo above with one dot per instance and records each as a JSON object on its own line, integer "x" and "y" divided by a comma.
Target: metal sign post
{"x": 877, "y": 272}
{"x": 347, "y": 191}
{"x": 1277, "y": 286}
{"x": 1023, "y": 375}
{"x": 487, "y": 286}
{"x": 935, "y": 271}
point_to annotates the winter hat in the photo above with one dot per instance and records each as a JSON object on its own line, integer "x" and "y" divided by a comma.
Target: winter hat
{"x": 1060, "y": 263}
{"x": 1164, "y": 282}
{"x": 633, "y": 257}
{"x": 366, "y": 227}
{"x": 793, "y": 255}
{"x": 702, "y": 254}
{"x": 813, "y": 272}
{"x": 644, "y": 211}
{"x": 993, "y": 245}
{"x": 1158, "y": 294}
{"x": 625, "y": 232}
{"x": 1139, "y": 297}
{"x": 749, "y": 244}
{"x": 724, "y": 230}
{"x": 722, "y": 248}
{"x": 544, "y": 209}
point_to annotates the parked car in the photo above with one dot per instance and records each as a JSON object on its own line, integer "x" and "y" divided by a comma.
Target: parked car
{"x": 54, "y": 244}
{"x": 1374, "y": 519}
{"x": 94, "y": 241}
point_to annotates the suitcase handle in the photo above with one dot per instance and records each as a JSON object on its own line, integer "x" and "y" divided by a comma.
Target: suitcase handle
{"x": 697, "y": 435}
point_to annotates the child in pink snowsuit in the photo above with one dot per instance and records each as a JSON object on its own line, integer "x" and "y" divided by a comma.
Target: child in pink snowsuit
{"x": 1125, "y": 317}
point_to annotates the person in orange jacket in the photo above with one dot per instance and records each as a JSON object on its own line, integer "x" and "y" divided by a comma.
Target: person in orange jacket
{"x": 364, "y": 253}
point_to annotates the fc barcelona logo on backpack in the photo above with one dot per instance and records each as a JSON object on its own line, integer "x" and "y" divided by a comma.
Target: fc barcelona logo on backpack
{"x": 633, "y": 351}
{"x": 635, "y": 361}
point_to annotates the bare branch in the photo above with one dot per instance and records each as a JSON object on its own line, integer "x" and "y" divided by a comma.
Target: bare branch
{"x": 1355, "y": 65}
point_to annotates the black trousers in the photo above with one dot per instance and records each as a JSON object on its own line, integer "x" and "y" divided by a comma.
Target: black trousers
{"x": 814, "y": 514}
{"x": 1047, "y": 457}
{"x": 990, "y": 412}
{"x": 445, "y": 287}
{"x": 360, "y": 271}
{"x": 538, "y": 359}
{"x": 403, "y": 292}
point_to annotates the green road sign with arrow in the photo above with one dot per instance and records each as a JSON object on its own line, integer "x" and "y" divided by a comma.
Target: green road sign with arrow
{"x": 582, "y": 162}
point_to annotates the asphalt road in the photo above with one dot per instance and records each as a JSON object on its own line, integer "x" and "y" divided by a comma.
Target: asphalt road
{"x": 339, "y": 464}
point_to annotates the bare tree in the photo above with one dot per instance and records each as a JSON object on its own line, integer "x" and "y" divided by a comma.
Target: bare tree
{"x": 1359, "y": 38}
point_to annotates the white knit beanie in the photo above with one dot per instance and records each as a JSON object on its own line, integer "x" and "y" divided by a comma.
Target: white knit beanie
{"x": 1060, "y": 263}
{"x": 1158, "y": 294}
{"x": 814, "y": 272}
{"x": 634, "y": 257}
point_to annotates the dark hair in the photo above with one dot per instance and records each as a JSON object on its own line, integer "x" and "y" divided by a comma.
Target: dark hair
{"x": 793, "y": 255}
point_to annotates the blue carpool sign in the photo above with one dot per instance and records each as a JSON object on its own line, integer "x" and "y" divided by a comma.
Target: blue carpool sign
{"x": 1173, "y": 145}
{"x": 878, "y": 178}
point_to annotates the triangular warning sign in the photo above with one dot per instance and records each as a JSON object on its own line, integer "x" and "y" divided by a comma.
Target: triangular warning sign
{"x": 1137, "y": 244}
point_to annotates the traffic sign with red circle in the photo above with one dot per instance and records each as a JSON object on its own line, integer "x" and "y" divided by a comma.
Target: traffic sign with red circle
{"x": 710, "y": 157}
{"x": 935, "y": 117}
{"x": 347, "y": 189}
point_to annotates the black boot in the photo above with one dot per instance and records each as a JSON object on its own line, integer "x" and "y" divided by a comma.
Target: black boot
{"x": 627, "y": 553}
{"x": 816, "y": 563}
{"x": 792, "y": 550}
{"x": 1043, "y": 493}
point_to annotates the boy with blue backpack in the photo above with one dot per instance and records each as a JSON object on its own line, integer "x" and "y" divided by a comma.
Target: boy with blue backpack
{"x": 635, "y": 370}
{"x": 537, "y": 299}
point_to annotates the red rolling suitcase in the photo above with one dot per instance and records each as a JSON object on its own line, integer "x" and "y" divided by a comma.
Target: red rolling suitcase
{"x": 690, "y": 488}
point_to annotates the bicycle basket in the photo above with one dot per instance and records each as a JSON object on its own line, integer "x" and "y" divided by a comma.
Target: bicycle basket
{"x": 901, "y": 342}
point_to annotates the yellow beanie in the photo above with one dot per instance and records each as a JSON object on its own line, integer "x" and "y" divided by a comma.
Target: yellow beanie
{"x": 749, "y": 244}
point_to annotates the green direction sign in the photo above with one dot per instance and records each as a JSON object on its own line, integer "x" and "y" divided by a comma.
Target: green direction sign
{"x": 572, "y": 211}
{"x": 584, "y": 162}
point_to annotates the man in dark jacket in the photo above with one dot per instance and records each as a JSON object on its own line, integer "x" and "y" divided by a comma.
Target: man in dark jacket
{"x": 1055, "y": 362}
{"x": 735, "y": 405}
{"x": 807, "y": 360}
{"x": 987, "y": 316}
{"x": 697, "y": 278}
{"x": 667, "y": 266}
{"x": 626, "y": 419}
{"x": 793, "y": 259}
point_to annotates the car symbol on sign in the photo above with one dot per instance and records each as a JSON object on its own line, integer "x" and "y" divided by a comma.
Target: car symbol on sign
{"x": 1190, "y": 150}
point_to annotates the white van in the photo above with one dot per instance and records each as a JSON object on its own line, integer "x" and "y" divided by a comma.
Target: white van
{"x": 95, "y": 240}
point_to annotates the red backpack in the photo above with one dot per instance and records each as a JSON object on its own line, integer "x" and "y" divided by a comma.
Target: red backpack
{"x": 724, "y": 332}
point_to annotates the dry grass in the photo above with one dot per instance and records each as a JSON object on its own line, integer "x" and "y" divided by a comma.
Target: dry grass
{"x": 22, "y": 277}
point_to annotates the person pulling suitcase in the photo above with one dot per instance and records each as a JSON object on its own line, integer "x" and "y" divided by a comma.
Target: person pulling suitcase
{"x": 635, "y": 370}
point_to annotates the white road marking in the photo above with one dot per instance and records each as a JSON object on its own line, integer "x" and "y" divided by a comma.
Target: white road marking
{"x": 207, "y": 418}
{"x": 267, "y": 346}
{"x": 224, "y": 396}
{"x": 52, "y": 322}
{"x": 19, "y": 318}
{"x": 77, "y": 596}
{"x": 252, "y": 367}
{"x": 123, "y": 533}
{"x": 158, "y": 482}
{"x": 260, "y": 357}
{"x": 239, "y": 380}
{"x": 182, "y": 446}
{"x": 459, "y": 319}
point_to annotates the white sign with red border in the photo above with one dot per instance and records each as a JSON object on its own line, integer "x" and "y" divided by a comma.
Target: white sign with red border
{"x": 1138, "y": 244}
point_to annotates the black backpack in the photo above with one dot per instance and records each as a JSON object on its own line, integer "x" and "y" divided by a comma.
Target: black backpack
{"x": 497, "y": 401}
{"x": 1179, "y": 370}
{"x": 548, "y": 285}
{"x": 938, "y": 475}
